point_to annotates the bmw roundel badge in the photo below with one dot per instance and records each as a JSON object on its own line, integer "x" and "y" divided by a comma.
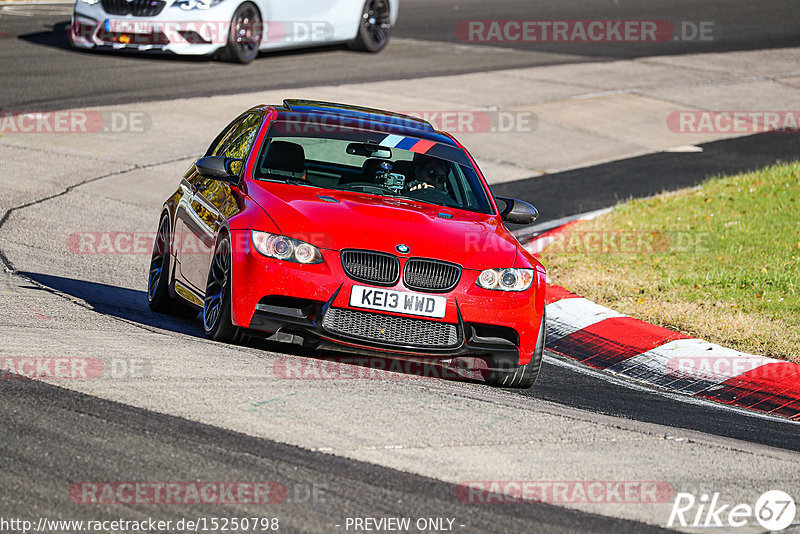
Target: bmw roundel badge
{"x": 403, "y": 249}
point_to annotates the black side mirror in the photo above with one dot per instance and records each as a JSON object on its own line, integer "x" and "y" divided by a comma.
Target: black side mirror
{"x": 218, "y": 168}
{"x": 517, "y": 211}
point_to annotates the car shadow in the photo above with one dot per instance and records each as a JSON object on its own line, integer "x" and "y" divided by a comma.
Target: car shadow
{"x": 56, "y": 37}
{"x": 322, "y": 363}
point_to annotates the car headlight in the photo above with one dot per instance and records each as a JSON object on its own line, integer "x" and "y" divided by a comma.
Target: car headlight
{"x": 188, "y": 5}
{"x": 90, "y": 2}
{"x": 506, "y": 279}
{"x": 285, "y": 248}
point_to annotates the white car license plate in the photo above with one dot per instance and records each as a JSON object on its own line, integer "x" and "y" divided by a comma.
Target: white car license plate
{"x": 398, "y": 301}
{"x": 129, "y": 26}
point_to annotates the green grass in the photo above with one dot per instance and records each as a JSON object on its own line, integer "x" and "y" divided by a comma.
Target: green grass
{"x": 725, "y": 264}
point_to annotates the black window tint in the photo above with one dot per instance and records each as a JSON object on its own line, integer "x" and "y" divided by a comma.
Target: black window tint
{"x": 220, "y": 142}
{"x": 241, "y": 140}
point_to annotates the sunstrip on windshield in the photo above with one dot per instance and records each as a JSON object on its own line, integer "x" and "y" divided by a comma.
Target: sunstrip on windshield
{"x": 420, "y": 146}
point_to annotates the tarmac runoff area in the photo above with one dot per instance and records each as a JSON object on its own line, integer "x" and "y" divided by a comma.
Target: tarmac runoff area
{"x": 581, "y": 115}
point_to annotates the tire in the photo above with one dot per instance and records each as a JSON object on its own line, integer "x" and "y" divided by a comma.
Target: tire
{"x": 217, "y": 321}
{"x": 521, "y": 376}
{"x": 374, "y": 27}
{"x": 158, "y": 297}
{"x": 244, "y": 35}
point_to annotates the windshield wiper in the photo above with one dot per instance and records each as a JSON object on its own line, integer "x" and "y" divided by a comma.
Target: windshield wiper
{"x": 272, "y": 177}
{"x": 403, "y": 197}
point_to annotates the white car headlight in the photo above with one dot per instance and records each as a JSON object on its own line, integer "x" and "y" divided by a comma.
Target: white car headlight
{"x": 506, "y": 279}
{"x": 188, "y": 5}
{"x": 285, "y": 248}
{"x": 90, "y": 2}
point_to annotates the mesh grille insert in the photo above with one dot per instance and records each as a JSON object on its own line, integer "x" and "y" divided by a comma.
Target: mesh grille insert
{"x": 391, "y": 329}
{"x": 138, "y": 8}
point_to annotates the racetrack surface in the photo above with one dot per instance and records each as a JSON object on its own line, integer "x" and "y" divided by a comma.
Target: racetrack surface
{"x": 574, "y": 425}
{"x": 47, "y": 74}
{"x": 397, "y": 445}
{"x": 46, "y": 426}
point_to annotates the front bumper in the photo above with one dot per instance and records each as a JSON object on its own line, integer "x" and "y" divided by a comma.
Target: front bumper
{"x": 277, "y": 296}
{"x": 173, "y": 30}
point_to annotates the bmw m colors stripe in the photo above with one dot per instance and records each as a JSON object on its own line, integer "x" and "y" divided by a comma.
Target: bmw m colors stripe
{"x": 420, "y": 146}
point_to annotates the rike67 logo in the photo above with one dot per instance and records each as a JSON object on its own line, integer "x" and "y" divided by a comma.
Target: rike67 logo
{"x": 774, "y": 511}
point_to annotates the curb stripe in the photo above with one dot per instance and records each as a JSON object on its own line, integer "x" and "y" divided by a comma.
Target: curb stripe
{"x": 605, "y": 339}
{"x": 611, "y": 341}
{"x": 567, "y": 316}
{"x": 773, "y": 388}
{"x": 556, "y": 293}
{"x": 666, "y": 365}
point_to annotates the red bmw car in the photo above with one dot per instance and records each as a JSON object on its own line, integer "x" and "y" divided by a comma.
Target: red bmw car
{"x": 355, "y": 227}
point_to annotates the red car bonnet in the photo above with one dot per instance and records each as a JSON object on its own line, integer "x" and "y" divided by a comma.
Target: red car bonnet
{"x": 343, "y": 219}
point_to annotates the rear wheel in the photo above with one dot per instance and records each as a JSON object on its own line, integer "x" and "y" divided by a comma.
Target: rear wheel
{"x": 217, "y": 303}
{"x": 374, "y": 27}
{"x": 244, "y": 35}
{"x": 521, "y": 376}
{"x": 158, "y": 296}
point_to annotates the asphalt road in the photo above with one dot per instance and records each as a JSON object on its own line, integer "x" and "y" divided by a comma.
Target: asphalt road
{"x": 57, "y": 437}
{"x": 47, "y": 74}
{"x": 54, "y": 437}
{"x": 567, "y": 384}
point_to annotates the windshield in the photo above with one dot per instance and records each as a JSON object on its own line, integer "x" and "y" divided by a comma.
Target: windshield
{"x": 372, "y": 168}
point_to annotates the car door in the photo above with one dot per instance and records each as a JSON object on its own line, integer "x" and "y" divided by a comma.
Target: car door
{"x": 298, "y": 22}
{"x": 206, "y": 204}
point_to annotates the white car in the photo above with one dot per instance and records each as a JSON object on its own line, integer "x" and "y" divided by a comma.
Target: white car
{"x": 235, "y": 30}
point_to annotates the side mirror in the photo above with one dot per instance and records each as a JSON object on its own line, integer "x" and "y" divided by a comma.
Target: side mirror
{"x": 517, "y": 211}
{"x": 218, "y": 168}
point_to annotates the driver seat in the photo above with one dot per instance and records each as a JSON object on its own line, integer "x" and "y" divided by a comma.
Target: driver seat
{"x": 286, "y": 158}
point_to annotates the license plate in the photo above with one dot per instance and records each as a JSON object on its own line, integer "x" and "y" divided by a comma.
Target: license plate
{"x": 398, "y": 301}
{"x": 129, "y": 26}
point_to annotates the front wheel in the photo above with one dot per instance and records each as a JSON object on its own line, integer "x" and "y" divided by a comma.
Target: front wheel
{"x": 374, "y": 27}
{"x": 244, "y": 35}
{"x": 521, "y": 376}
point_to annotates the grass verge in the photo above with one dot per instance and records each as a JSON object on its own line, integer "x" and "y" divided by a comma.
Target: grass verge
{"x": 719, "y": 262}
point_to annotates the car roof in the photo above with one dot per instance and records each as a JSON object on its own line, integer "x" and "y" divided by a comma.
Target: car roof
{"x": 331, "y": 113}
